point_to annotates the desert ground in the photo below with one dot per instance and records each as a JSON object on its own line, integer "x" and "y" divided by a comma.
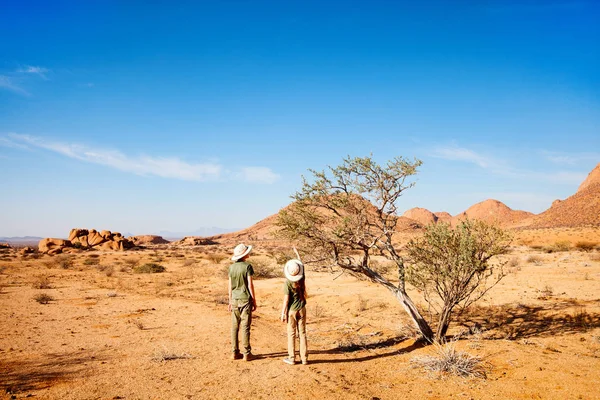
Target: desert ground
{"x": 86, "y": 326}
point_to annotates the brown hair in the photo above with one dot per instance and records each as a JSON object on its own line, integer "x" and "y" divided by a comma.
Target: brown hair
{"x": 300, "y": 288}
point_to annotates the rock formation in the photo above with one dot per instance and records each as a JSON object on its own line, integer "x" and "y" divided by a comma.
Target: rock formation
{"x": 85, "y": 239}
{"x": 421, "y": 215}
{"x": 147, "y": 239}
{"x": 494, "y": 211}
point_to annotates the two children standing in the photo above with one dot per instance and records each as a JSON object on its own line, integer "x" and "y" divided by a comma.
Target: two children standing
{"x": 242, "y": 302}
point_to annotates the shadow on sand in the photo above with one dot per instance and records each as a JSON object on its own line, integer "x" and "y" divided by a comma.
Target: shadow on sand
{"x": 26, "y": 375}
{"x": 347, "y": 349}
{"x": 524, "y": 321}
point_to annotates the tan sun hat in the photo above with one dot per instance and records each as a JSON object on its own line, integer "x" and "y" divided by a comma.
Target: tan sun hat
{"x": 240, "y": 251}
{"x": 294, "y": 270}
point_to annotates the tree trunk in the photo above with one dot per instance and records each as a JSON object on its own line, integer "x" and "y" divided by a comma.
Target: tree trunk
{"x": 414, "y": 314}
{"x": 444, "y": 323}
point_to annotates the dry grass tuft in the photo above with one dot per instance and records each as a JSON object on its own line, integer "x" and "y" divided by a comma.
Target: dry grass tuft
{"x": 149, "y": 268}
{"x": 41, "y": 282}
{"x": 43, "y": 298}
{"x": 164, "y": 354}
{"x": 446, "y": 360}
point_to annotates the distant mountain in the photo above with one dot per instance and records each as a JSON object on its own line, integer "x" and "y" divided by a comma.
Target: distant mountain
{"x": 494, "y": 211}
{"x": 21, "y": 240}
{"x": 203, "y": 231}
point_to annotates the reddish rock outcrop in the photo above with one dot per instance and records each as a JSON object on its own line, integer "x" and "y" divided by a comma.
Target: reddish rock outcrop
{"x": 421, "y": 215}
{"x": 83, "y": 239}
{"x": 147, "y": 239}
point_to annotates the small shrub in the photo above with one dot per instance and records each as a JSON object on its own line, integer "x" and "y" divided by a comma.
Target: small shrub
{"x": 137, "y": 323}
{"x": 91, "y": 261}
{"x": 595, "y": 257}
{"x": 585, "y": 246}
{"x": 446, "y": 360}
{"x": 534, "y": 259}
{"x": 188, "y": 263}
{"x": 318, "y": 311}
{"x": 513, "y": 262}
{"x": 562, "y": 245}
{"x": 265, "y": 269}
{"x": 362, "y": 303}
{"x": 43, "y": 298}
{"x": 216, "y": 257}
{"x": 42, "y": 282}
{"x": 164, "y": 354}
{"x": 547, "y": 291}
{"x": 581, "y": 319}
{"x": 111, "y": 294}
{"x": 149, "y": 268}
{"x": 64, "y": 261}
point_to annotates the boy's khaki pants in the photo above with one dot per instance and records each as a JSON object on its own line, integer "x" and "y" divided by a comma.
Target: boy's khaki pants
{"x": 241, "y": 317}
{"x": 296, "y": 327}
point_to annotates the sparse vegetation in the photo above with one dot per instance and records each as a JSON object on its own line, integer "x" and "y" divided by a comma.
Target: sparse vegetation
{"x": 137, "y": 323}
{"x": 559, "y": 246}
{"x": 149, "y": 268}
{"x": 534, "y": 259}
{"x": 447, "y": 360}
{"x": 43, "y": 298}
{"x": 265, "y": 268}
{"x": 216, "y": 258}
{"x": 42, "y": 282}
{"x": 164, "y": 354}
{"x": 349, "y": 214}
{"x": 452, "y": 266}
{"x": 586, "y": 246}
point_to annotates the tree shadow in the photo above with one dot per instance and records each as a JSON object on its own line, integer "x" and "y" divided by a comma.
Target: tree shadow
{"x": 355, "y": 347}
{"x": 27, "y": 375}
{"x": 523, "y": 321}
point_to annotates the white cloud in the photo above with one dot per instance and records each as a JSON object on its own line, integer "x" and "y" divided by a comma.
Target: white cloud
{"x": 259, "y": 175}
{"x": 30, "y": 69}
{"x": 455, "y": 153}
{"x": 166, "y": 167}
{"x": 8, "y": 83}
{"x": 143, "y": 165}
{"x": 569, "y": 158}
{"x": 5, "y": 142}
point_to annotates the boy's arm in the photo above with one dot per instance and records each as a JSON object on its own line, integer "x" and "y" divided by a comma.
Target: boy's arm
{"x": 251, "y": 288}
{"x": 230, "y": 295}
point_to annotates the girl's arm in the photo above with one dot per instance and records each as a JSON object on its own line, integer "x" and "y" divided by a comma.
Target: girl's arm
{"x": 284, "y": 307}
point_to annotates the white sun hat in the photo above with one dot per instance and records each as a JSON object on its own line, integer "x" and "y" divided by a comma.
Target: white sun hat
{"x": 240, "y": 251}
{"x": 294, "y": 270}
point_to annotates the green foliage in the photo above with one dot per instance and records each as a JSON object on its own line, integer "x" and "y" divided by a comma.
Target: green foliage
{"x": 345, "y": 215}
{"x": 452, "y": 266}
{"x": 149, "y": 268}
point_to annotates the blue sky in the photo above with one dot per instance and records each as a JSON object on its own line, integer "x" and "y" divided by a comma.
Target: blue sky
{"x": 147, "y": 116}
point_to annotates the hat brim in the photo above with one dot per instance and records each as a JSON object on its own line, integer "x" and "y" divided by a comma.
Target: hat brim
{"x": 294, "y": 278}
{"x": 248, "y": 250}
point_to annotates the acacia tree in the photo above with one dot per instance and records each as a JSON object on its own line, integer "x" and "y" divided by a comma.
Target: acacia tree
{"x": 452, "y": 266}
{"x": 347, "y": 214}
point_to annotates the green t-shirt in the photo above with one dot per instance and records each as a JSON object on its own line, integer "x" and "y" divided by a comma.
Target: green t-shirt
{"x": 238, "y": 273}
{"x": 294, "y": 302}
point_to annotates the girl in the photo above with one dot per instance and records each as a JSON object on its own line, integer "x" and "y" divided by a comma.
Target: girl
{"x": 293, "y": 310}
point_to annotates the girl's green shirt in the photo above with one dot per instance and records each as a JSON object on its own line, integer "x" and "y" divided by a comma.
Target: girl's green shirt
{"x": 294, "y": 302}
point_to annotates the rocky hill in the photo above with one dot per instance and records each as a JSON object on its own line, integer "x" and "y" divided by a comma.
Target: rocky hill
{"x": 494, "y": 211}
{"x": 581, "y": 209}
{"x": 421, "y": 215}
